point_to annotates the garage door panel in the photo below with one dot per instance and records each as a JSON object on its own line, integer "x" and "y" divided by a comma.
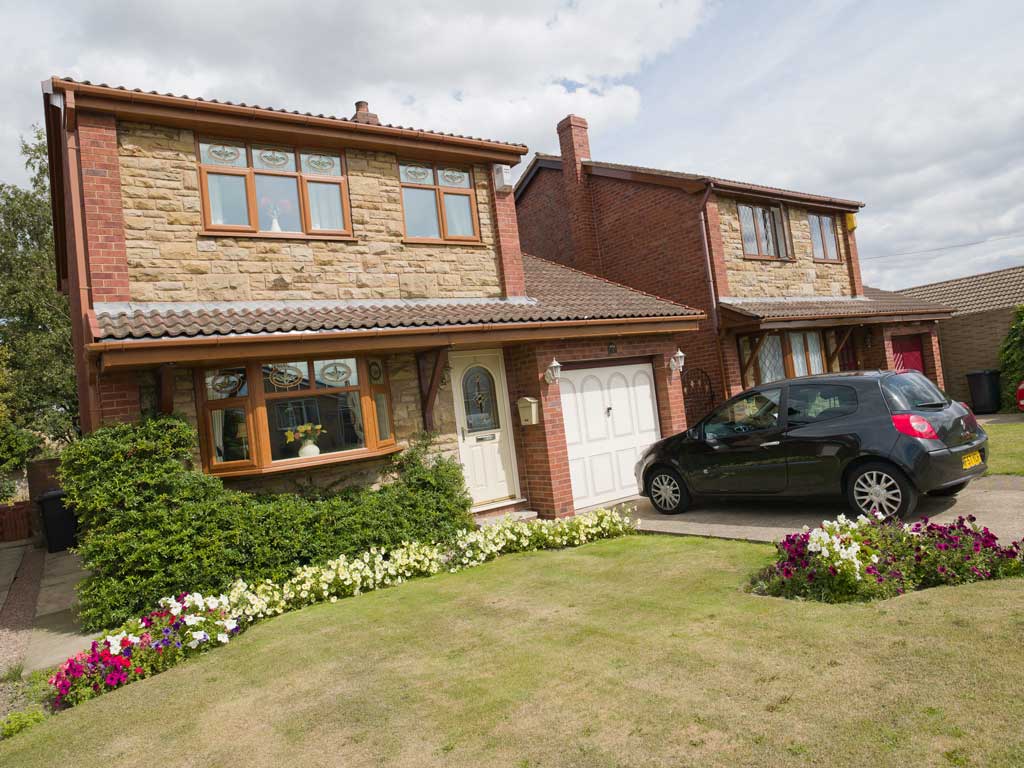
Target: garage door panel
{"x": 595, "y": 424}
{"x": 602, "y": 474}
{"x": 643, "y": 395}
{"x": 571, "y": 412}
{"x": 578, "y": 473}
{"x": 620, "y": 398}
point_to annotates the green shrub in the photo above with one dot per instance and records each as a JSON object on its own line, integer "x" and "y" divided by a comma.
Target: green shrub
{"x": 151, "y": 526}
{"x": 18, "y": 721}
{"x": 1011, "y": 360}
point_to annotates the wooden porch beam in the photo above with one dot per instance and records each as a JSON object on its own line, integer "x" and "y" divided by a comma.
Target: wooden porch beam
{"x": 833, "y": 356}
{"x": 753, "y": 356}
{"x": 165, "y": 376}
{"x": 428, "y": 389}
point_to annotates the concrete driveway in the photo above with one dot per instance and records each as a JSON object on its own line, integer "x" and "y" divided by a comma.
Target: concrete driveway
{"x": 997, "y": 501}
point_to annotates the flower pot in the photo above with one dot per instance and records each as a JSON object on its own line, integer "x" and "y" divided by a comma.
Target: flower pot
{"x": 309, "y": 448}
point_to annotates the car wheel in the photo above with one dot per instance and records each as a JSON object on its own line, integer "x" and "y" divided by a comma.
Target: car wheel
{"x": 951, "y": 490}
{"x": 667, "y": 492}
{"x": 882, "y": 487}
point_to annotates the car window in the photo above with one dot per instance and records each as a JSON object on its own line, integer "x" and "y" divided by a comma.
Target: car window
{"x": 910, "y": 390}
{"x": 811, "y": 403}
{"x": 756, "y": 411}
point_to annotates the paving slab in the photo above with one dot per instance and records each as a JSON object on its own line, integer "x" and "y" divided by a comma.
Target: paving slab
{"x": 56, "y": 633}
{"x": 10, "y": 559}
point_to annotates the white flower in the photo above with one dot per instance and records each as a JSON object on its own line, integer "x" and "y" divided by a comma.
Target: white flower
{"x": 223, "y": 637}
{"x": 191, "y": 619}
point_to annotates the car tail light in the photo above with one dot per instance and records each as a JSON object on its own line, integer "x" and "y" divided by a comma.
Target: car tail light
{"x": 912, "y": 425}
{"x": 970, "y": 419}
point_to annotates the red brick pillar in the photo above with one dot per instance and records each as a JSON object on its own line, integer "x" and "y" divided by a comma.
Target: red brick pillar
{"x": 119, "y": 398}
{"x": 853, "y": 260}
{"x": 668, "y": 387}
{"x": 933, "y": 356}
{"x": 506, "y": 227}
{"x": 574, "y": 143}
{"x": 732, "y": 370}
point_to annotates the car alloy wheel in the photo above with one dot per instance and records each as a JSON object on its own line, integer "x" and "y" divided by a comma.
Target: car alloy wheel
{"x": 877, "y": 490}
{"x": 665, "y": 492}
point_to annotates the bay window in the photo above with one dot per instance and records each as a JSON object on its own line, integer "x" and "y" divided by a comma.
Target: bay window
{"x": 438, "y": 202}
{"x": 824, "y": 243}
{"x": 258, "y": 188}
{"x": 763, "y": 232}
{"x": 264, "y": 416}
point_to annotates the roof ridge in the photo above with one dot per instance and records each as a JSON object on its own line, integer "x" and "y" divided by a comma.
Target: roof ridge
{"x": 958, "y": 279}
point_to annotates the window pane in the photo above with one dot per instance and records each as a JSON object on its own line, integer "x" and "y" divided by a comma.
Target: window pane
{"x": 321, "y": 163}
{"x": 380, "y": 402}
{"x": 819, "y": 402}
{"x": 747, "y": 229}
{"x": 453, "y": 177}
{"x": 830, "y": 238}
{"x": 339, "y": 414}
{"x": 458, "y": 215}
{"x": 748, "y": 379}
{"x": 278, "y": 198}
{"x": 769, "y": 359}
{"x": 336, "y": 373}
{"x": 796, "y": 348}
{"x": 325, "y": 206}
{"x": 780, "y": 233}
{"x": 814, "y": 353}
{"x": 222, "y": 383}
{"x": 230, "y": 153}
{"x": 286, "y": 377}
{"x": 479, "y": 398}
{"x": 816, "y": 244}
{"x": 749, "y": 414}
{"x": 228, "y": 202}
{"x": 767, "y": 222}
{"x": 273, "y": 158}
{"x": 413, "y": 173}
{"x": 420, "y": 207}
{"x": 230, "y": 435}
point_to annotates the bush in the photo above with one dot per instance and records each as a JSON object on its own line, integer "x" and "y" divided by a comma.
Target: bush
{"x": 1011, "y": 360}
{"x": 16, "y": 722}
{"x": 847, "y": 560}
{"x": 151, "y": 526}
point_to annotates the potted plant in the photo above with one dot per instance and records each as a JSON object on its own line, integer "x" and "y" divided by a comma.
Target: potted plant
{"x": 306, "y": 434}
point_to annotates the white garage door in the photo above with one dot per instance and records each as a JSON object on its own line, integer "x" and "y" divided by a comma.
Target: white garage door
{"x": 611, "y": 416}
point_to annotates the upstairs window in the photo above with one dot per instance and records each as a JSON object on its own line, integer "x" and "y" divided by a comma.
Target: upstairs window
{"x": 438, "y": 202}
{"x": 763, "y": 233}
{"x": 249, "y": 188}
{"x": 823, "y": 237}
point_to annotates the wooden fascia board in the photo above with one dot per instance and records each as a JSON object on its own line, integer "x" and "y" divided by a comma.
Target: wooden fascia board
{"x": 203, "y": 350}
{"x": 263, "y": 125}
{"x": 805, "y": 322}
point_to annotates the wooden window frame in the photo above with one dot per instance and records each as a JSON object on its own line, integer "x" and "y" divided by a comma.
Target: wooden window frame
{"x": 823, "y": 230}
{"x": 439, "y": 192}
{"x": 255, "y": 403}
{"x": 787, "y": 353}
{"x": 782, "y": 238}
{"x": 302, "y": 182}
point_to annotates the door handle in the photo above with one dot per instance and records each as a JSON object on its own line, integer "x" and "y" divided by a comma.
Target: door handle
{"x": 772, "y": 444}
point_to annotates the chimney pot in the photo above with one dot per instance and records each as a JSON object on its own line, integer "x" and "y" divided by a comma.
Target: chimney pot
{"x": 364, "y": 115}
{"x": 362, "y": 106}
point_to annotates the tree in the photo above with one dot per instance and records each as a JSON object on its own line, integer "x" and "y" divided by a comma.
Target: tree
{"x": 1011, "y": 360}
{"x": 35, "y": 326}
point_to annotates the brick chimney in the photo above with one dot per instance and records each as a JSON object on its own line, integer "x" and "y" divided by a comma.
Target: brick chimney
{"x": 575, "y": 148}
{"x": 364, "y": 115}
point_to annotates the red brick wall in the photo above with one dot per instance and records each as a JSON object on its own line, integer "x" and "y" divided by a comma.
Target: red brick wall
{"x": 543, "y": 222}
{"x": 575, "y": 148}
{"x": 880, "y": 354}
{"x": 971, "y": 343}
{"x": 118, "y": 397}
{"x": 106, "y": 258}
{"x": 507, "y": 231}
{"x": 541, "y": 451}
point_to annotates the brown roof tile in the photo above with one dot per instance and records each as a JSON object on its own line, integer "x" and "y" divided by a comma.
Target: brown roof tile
{"x": 874, "y": 303}
{"x": 555, "y": 293}
{"x": 975, "y": 293}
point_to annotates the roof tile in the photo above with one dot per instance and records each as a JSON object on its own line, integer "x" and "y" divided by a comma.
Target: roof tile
{"x": 976, "y": 293}
{"x": 875, "y": 302}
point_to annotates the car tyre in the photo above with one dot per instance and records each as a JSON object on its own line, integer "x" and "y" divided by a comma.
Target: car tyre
{"x": 880, "y": 485}
{"x": 667, "y": 491}
{"x": 951, "y": 490}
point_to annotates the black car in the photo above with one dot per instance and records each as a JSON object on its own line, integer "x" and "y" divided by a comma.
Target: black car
{"x": 879, "y": 438}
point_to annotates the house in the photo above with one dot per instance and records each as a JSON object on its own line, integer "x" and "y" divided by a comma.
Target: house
{"x": 984, "y": 307}
{"x": 776, "y": 272}
{"x": 258, "y": 270}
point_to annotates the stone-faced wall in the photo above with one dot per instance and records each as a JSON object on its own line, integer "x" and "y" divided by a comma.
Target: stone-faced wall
{"x": 800, "y": 276}
{"x": 169, "y": 259}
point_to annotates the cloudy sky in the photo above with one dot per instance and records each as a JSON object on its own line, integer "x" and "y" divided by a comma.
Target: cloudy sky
{"x": 915, "y": 108}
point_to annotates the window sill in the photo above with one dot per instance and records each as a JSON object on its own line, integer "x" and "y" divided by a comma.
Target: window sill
{"x": 432, "y": 241}
{"x": 275, "y": 236}
{"x": 827, "y": 261}
{"x": 752, "y": 257}
{"x": 294, "y": 465}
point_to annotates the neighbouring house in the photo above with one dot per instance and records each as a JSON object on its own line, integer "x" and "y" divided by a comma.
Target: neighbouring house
{"x": 775, "y": 271}
{"x": 984, "y": 307}
{"x": 258, "y": 270}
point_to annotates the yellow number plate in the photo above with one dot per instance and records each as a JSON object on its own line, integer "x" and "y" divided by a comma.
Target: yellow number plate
{"x": 972, "y": 459}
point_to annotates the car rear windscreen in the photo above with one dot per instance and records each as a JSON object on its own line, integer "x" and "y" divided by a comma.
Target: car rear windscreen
{"x": 907, "y": 391}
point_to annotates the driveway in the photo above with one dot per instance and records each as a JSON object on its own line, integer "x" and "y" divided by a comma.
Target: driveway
{"x": 997, "y": 501}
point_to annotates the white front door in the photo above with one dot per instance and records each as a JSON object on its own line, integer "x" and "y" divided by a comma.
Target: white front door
{"x": 484, "y": 425}
{"x": 611, "y": 417}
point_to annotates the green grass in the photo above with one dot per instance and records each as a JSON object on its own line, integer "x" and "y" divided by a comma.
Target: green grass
{"x": 642, "y": 651}
{"x": 1006, "y": 448}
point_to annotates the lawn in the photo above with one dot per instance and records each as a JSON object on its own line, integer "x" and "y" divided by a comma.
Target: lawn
{"x": 1006, "y": 446}
{"x": 632, "y": 652}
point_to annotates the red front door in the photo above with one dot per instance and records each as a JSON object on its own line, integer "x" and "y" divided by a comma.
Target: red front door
{"x": 908, "y": 353}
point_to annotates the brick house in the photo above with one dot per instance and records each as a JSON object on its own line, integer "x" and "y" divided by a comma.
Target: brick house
{"x": 984, "y": 307}
{"x": 257, "y": 270}
{"x": 776, "y": 272}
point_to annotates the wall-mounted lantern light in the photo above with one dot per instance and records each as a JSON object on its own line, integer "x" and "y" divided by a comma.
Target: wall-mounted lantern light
{"x": 553, "y": 372}
{"x": 677, "y": 360}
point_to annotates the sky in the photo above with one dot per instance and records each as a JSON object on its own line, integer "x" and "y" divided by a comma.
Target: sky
{"x": 915, "y": 108}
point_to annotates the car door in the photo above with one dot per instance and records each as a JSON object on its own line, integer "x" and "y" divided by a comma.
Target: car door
{"x": 741, "y": 450}
{"x": 820, "y": 436}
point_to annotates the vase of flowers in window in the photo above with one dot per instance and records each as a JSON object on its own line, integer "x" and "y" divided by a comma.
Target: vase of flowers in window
{"x": 307, "y": 435}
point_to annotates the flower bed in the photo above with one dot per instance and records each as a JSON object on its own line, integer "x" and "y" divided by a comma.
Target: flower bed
{"x": 847, "y": 560}
{"x": 189, "y": 624}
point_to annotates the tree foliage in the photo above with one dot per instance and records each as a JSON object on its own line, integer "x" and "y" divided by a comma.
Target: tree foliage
{"x": 1011, "y": 360}
{"x": 35, "y": 327}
